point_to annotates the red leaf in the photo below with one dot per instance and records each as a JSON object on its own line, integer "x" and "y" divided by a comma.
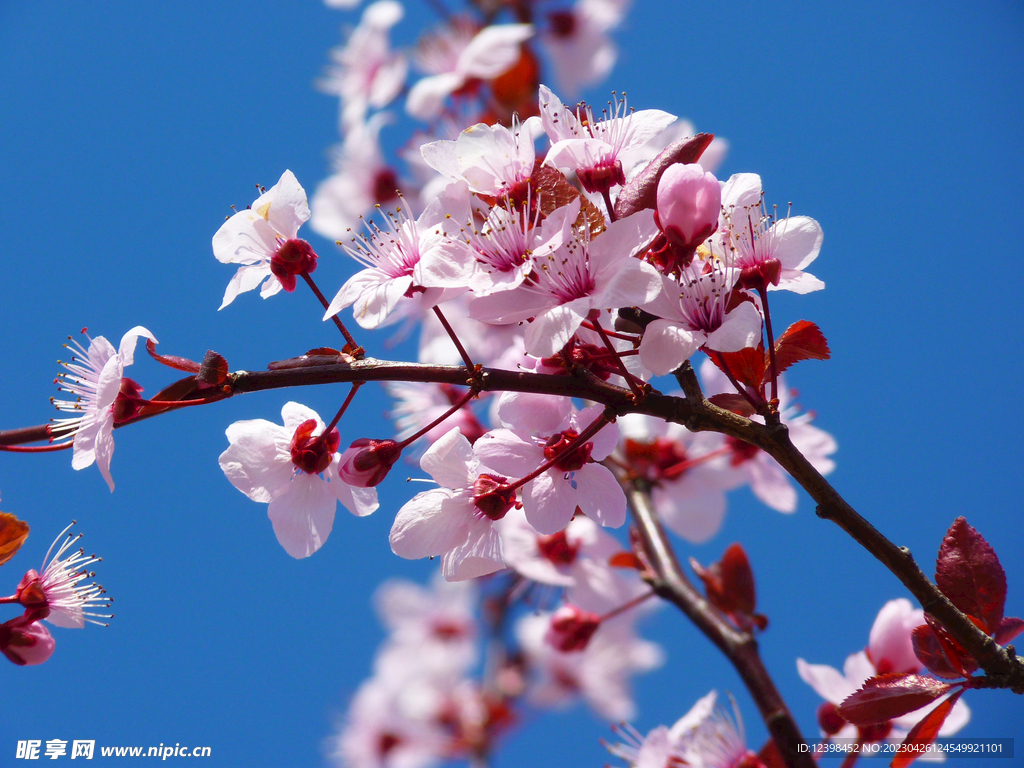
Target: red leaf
{"x": 733, "y": 402}
{"x": 729, "y": 584}
{"x": 929, "y": 652}
{"x": 969, "y": 574}
{"x": 748, "y": 365}
{"x": 214, "y": 370}
{"x": 770, "y": 756}
{"x": 182, "y": 389}
{"x": 924, "y": 733}
{"x": 641, "y": 191}
{"x": 885, "y": 697}
{"x": 551, "y": 190}
{"x": 803, "y": 340}
{"x": 625, "y": 560}
{"x": 959, "y": 659}
{"x": 13, "y": 533}
{"x": 177, "y": 363}
{"x": 1008, "y": 629}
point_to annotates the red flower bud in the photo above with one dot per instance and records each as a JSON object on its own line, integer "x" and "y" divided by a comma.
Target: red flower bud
{"x": 366, "y": 462}
{"x": 829, "y": 719}
{"x": 571, "y": 628}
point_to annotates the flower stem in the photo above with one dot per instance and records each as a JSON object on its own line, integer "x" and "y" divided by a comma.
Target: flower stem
{"x": 354, "y": 349}
{"x": 459, "y": 404}
{"x": 592, "y": 429}
{"x": 638, "y": 395}
{"x": 771, "y": 341}
{"x": 455, "y": 340}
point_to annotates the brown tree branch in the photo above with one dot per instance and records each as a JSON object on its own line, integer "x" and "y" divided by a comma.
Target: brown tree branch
{"x": 670, "y": 582}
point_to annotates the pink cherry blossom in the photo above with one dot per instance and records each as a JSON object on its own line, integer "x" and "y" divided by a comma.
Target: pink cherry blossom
{"x": 577, "y": 40}
{"x": 888, "y": 646}
{"x": 771, "y": 252}
{"x": 600, "y": 674}
{"x": 366, "y": 72}
{"x": 583, "y": 276}
{"x": 575, "y": 480}
{"x": 689, "y": 203}
{"x": 694, "y": 313}
{"x": 688, "y": 473}
{"x": 94, "y": 378}
{"x": 252, "y": 237}
{"x": 261, "y": 463}
{"x": 457, "y": 519}
{"x": 58, "y": 594}
{"x": 361, "y": 179}
{"x": 458, "y": 54}
{"x": 406, "y": 258}
{"x": 769, "y": 481}
{"x": 710, "y": 160}
{"x": 593, "y": 148}
{"x": 492, "y": 159}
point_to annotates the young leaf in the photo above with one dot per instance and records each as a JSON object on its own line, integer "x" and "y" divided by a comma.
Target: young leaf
{"x": 625, "y": 560}
{"x": 969, "y": 574}
{"x": 748, "y": 365}
{"x": 734, "y": 402}
{"x": 172, "y": 361}
{"x": 214, "y": 370}
{"x": 924, "y": 733}
{"x": 551, "y": 191}
{"x": 803, "y": 340}
{"x": 13, "y": 533}
{"x": 886, "y": 697}
{"x": 642, "y": 190}
{"x": 1008, "y": 629}
{"x": 729, "y": 584}
{"x": 929, "y": 651}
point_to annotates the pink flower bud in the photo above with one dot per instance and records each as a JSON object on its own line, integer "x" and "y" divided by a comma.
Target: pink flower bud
{"x": 366, "y": 462}
{"x": 689, "y": 202}
{"x": 571, "y": 628}
{"x": 294, "y": 257}
{"x": 313, "y": 454}
{"x": 25, "y": 642}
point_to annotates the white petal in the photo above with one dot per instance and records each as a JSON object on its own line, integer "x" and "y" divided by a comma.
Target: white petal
{"x": 551, "y": 330}
{"x": 666, "y": 344}
{"x": 479, "y": 554}
{"x": 493, "y": 51}
{"x": 600, "y": 496}
{"x": 245, "y": 279}
{"x": 450, "y": 461}
{"x": 741, "y": 329}
{"x": 303, "y": 515}
{"x": 429, "y": 524}
{"x": 258, "y": 461}
{"x": 797, "y": 241}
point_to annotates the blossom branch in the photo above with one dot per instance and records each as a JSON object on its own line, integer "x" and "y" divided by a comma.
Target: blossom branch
{"x": 669, "y": 581}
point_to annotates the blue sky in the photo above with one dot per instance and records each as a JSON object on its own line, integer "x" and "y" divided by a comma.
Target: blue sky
{"x": 127, "y": 132}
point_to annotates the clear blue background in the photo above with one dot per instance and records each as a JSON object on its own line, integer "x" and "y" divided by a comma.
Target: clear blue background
{"x": 126, "y": 131}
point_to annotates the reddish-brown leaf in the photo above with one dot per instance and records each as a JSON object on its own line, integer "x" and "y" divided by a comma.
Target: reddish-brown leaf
{"x": 214, "y": 370}
{"x": 734, "y": 402}
{"x": 625, "y": 560}
{"x": 885, "y": 697}
{"x": 182, "y": 389}
{"x": 803, "y": 340}
{"x": 642, "y": 190}
{"x": 13, "y": 533}
{"x": 323, "y": 351}
{"x": 748, "y": 365}
{"x": 729, "y": 584}
{"x": 924, "y": 733}
{"x": 551, "y": 191}
{"x": 959, "y": 659}
{"x": 929, "y": 652}
{"x": 969, "y": 574}
{"x": 770, "y": 756}
{"x": 1008, "y": 629}
{"x": 171, "y": 361}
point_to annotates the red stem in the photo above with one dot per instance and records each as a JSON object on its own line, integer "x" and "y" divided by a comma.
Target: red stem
{"x": 355, "y": 349}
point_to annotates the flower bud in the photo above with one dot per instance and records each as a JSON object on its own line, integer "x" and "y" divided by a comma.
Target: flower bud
{"x": 294, "y": 257}
{"x": 571, "y": 628}
{"x": 689, "y": 202}
{"x": 24, "y": 642}
{"x": 313, "y": 454}
{"x": 366, "y": 462}
{"x": 829, "y": 719}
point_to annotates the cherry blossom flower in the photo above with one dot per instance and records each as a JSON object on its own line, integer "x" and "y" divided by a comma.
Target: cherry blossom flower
{"x": 575, "y": 480}
{"x": 600, "y": 674}
{"x": 771, "y": 252}
{"x": 361, "y": 179}
{"x": 456, "y": 56}
{"x": 688, "y": 473}
{"x": 707, "y": 736}
{"x": 367, "y": 73}
{"x": 769, "y": 481}
{"x": 408, "y": 257}
{"x": 254, "y": 236}
{"x": 593, "y": 148}
{"x": 710, "y": 160}
{"x": 457, "y": 519}
{"x": 694, "y": 312}
{"x": 94, "y": 377}
{"x": 293, "y": 472}
{"x": 577, "y": 41}
{"x": 582, "y": 277}
{"x": 492, "y": 159}
{"x": 889, "y": 650}
{"x": 57, "y": 594}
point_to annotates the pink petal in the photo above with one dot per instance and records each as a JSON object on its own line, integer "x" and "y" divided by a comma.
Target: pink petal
{"x": 303, "y": 515}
